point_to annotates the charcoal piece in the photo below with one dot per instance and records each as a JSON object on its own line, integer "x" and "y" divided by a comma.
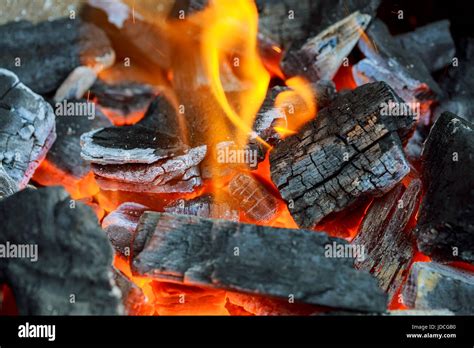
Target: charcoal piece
{"x": 432, "y": 43}
{"x": 78, "y": 82}
{"x": 265, "y": 306}
{"x": 27, "y": 128}
{"x": 350, "y": 151}
{"x": 291, "y": 22}
{"x": 205, "y": 206}
{"x": 432, "y": 286}
{"x": 445, "y": 229}
{"x": 162, "y": 115}
{"x": 133, "y": 298}
{"x": 66, "y": 150}
{"x": 177, "y": 174}
{"x": 121, "y": 224}
{"x": 129, "y": 144}
{"x": 73, "y": 256}
{"x": 7, "y": 185}
{"x": 252, "y": 198}
{"x": 321, "y": 56}
{"x": 269, "y": 261}
{"x": 43, "y": 55}
{"x": 269, "y": 115}
{"x": 122, "y": 100}
{"x": 388, "y": 246}
{"x": 388, "y": 61}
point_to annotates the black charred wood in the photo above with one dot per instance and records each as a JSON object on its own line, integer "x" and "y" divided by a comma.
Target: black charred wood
{"x": 445, "y": 229}
{"x": 432, "y": 43}
{"x": 388, "y": 246}
{"x": 220, "y": 254}
{"x": 350, "y": 151}
{"x": 44, "y": 54}
{"x": 74, "y": 257}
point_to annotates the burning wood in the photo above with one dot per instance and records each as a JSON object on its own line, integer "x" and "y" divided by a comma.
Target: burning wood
{"x": 120, "y": 225}
{"x": 204, "y": 206}
{"x": 284, "y": 263}
{"x": 384, "y": 237}
{"x": 70, "y": 274}
{"x": 445, "y": 230}
{"x": 320, "y": 57}
{"x": 66, "y": 44}
{"x": 435, "y": 286}
{"x": 252, "y": 198}
{"x": 133, "y": 298}
{"x": 27, "y": 129}
{"x": 432, "y": 44}
{"x": 351, "y": 150}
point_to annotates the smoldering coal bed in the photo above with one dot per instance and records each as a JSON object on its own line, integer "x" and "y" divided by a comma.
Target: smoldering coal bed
{"x": 186, "y": 159}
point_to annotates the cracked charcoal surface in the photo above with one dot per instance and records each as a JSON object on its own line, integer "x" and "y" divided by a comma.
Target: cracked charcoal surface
{"x": 446, "y": 214}
{"x": 348, "y": 152}
{"x": 201, "y": 251}
{"x": 27, "y": 128}
{"x": 50, "y": 50}
{"x": 432, "y": 285}
{"x": 74, "y": 256}
{"x": 389, "y": 248}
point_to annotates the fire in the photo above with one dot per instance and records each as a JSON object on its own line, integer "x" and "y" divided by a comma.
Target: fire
{"x": 297, "y": 113}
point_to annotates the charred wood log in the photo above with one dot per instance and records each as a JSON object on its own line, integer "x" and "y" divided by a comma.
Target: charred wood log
{"x": 433, "y": 286}
{"x": 321, "y": 57}
{"x": 350, "y": 151}
{"x": 388, "y": 246}
{"x": 291, "y": 22}
{"x": 249, "y": 258}
{"x": 445, "y": 229}
{"x": 43, "y": 55}
{"x": 388, "y": 61}
{"x": 133, "y": 298}
{"x": 123, "y": 101}
{"x": 432, "y": 43}
{"x": 205, "y": 206}
{"x": 53, "y": 253}
{"x": 120, "y": 225}
{"x": 252, "y": 198}
{"x": 27, "y": 128}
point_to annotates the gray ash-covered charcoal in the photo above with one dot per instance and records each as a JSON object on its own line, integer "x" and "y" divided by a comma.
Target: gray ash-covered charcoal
{"x": 27, "y": 128}
{"x": 321, "y": 56}
{"x": 64, "y": 255}
{"x": 387, "y": 243}
{"x": 350, "y": 151}
{"x": 445, "y": 229}
{"x": 386, "y": 60}
{"x": 44, "y": 54}
{"x": 120, "y": 225}
{"x": 432, "y": 285}
{"x": 253, "y": 259}
{"x": 432, "y": 44}
{"x": 7, "y": 185}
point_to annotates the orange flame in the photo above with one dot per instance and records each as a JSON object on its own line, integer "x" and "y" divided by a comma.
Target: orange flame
{"x": 299, "y": 105}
